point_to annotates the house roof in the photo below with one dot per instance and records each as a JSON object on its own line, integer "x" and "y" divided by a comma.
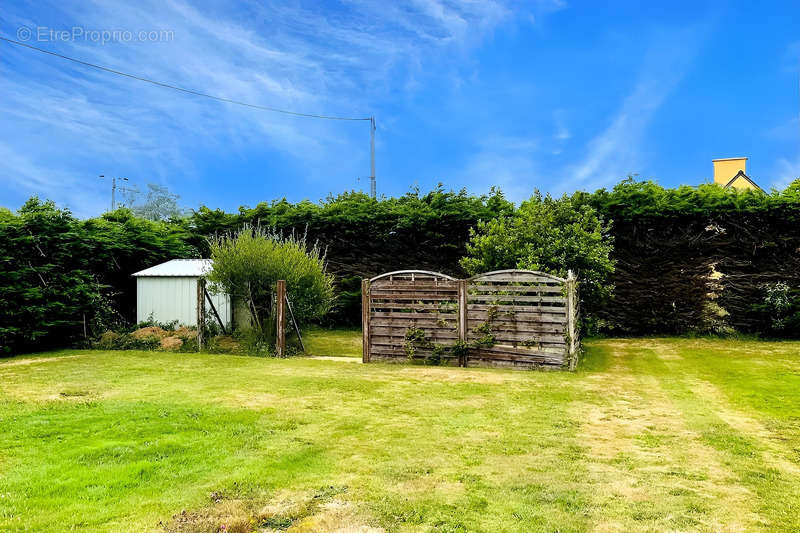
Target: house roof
{"x": 187, "y": 268}
{"x": 742, "y": 175}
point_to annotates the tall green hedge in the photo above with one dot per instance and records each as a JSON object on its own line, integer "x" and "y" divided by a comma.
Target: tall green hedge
{"x": 702, "y": 259}
{"x": 687, "y": 259}
{"x": 61, "y": 277}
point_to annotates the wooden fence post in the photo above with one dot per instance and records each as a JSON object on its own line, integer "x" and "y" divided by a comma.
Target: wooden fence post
{"x": 280, "y": 314}
{"x": 201, "y": 312}
{"x": 462, "y": 320}
{"x": 572, "y": 318}
{"x": 365, "y": 321}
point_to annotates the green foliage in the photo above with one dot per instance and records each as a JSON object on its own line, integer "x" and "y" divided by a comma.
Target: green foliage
{"x": 698, "y": 259}
{"x": 552, "y": 235}
{"x": 55, "y": 269}
{"x": 366, "y": 236}
{"x": 632, "y": 200}
{"x": 48, "y": 285}
{"x": 58, "y": 273}
{"x": 781, "y": 306}
{"x": 247, "y": 265}
{"x": 436, "y": 353}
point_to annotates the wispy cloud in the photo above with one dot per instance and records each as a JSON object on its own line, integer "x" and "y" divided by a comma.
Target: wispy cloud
{"x": 616, "y": 151}
{"x": 505, "y": 162}
{"x": 561, "y": 133}
{"x": 70, "y": 121}
{"x": 788, "y": 170}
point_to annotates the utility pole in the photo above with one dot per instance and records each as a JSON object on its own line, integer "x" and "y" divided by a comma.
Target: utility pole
{"x": 114, "y": 190}
{"x": 372, "y": 185}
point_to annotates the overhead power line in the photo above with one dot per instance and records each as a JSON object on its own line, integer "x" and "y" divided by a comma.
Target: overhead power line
{"x": 218, "y": 98}
{"x": 181, "y": 89}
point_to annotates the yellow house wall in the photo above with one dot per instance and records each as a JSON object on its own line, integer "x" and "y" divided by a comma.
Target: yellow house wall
{"x": 726, "y": 169}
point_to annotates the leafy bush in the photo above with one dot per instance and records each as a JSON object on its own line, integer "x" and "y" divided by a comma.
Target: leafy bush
{"x": 552, "y": 235}
{"x": 366, "y": 236}
{"x": 111, "y": 340}
{"x": 781, "y": 306}
{"x": 247, "y": 265}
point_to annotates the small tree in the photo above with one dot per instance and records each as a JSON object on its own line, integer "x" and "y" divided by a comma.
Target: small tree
{"x": 552, "y": 235}
{"x": 160, "y": 204}
{"x": 248, "y": 263}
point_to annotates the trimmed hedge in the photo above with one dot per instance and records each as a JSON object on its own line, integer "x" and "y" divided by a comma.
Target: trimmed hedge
{"x": 689, "y": 259}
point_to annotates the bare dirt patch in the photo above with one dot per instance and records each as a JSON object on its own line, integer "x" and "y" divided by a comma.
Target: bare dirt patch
{"x": 319, "y": 512}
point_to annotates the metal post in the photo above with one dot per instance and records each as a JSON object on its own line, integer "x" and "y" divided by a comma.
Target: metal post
{"x": 372, "y": 185}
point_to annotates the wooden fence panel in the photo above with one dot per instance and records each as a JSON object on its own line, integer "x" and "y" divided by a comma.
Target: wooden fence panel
{"x": 523, "y": 317}
{"x": 408, "y": 301}
{"x": 510, "y": 318}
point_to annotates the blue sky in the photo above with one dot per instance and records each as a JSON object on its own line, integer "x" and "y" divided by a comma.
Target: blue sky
{"x": 554, "y": 95}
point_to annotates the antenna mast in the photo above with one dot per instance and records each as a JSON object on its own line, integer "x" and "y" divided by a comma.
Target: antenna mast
{"x": 372, "y": 186}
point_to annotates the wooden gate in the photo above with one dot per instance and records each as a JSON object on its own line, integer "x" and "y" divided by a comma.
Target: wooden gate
{"x": 511, "y": 318}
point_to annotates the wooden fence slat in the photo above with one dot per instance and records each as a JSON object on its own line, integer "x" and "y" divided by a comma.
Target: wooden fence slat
{"x": 418, "y": 307}
{"x": 414, "y": 285}
{"x": 414, "y": 322}
{"x": 513, "y": 289}
{"x": 280, "y": 317}
{"x": 572, "y": 318}
{"x": 514, "y": 298}
{"x": 503, "y": 337}
{"x": 400, "y": 330}
{"x": 519, "y": 316}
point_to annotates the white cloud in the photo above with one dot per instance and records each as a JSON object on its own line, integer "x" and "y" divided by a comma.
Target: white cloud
{"x": 506, "y": 162}
{"x": 615, "y": 152}
{"x": 788, "y": 170}
{"x": 62, "y": 120}
{"x": 562, "y": 133}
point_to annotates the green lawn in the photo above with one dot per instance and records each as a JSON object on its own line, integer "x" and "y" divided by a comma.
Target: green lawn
{"x": 332, "y": 342}
{"x": 648, "y": 435}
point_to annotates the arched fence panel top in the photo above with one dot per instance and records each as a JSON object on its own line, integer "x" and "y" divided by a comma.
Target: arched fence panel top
{"x": 517, "y": 275}
{"x": 412, "y": 275}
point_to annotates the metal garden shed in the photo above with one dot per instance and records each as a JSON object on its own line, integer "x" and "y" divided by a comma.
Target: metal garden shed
{"x": 168, "y": 292}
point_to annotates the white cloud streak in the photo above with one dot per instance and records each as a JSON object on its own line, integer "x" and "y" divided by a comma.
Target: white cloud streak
{"x": 63, "y": 124}
{"x": 615, "y": 152}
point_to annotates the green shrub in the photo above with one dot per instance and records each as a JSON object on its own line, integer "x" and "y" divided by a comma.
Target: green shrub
{"x": 552, "y": 235}
{"x": 248, "y": 264}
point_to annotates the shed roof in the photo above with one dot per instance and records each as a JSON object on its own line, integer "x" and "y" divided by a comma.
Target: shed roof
{"x": 193, "y": 268}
